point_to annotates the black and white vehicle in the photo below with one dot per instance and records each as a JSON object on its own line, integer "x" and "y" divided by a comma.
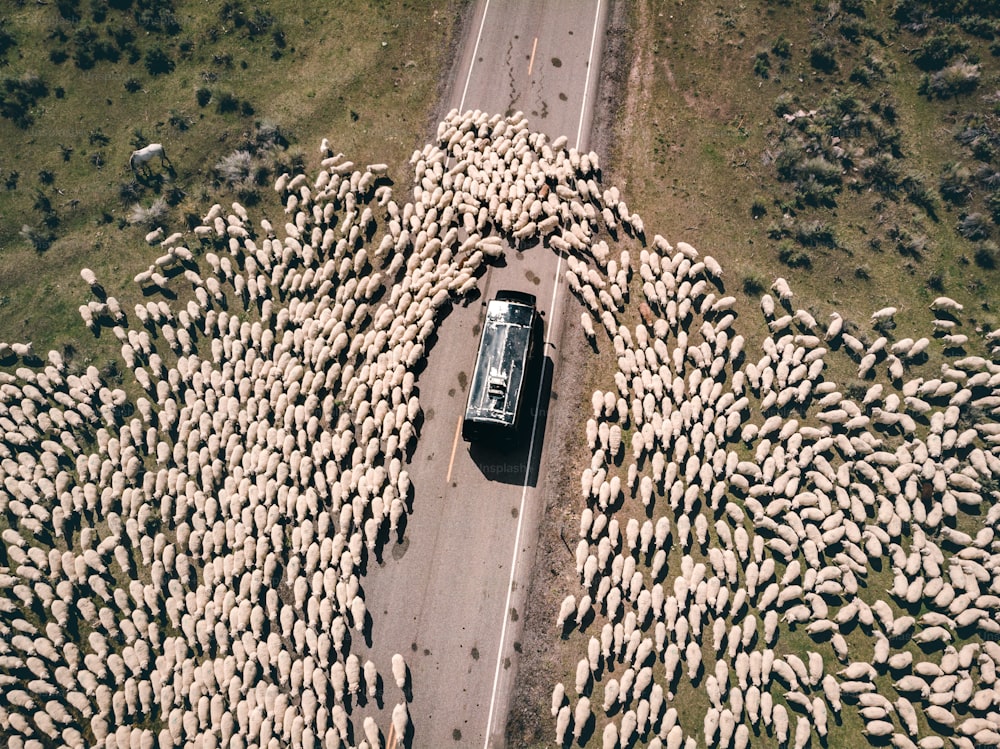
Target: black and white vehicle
{"x": 509, "y": 350}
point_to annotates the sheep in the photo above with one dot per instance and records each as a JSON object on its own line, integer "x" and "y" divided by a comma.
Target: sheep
{"x": 883, "y": 314}
{"x": 399, "y": 671}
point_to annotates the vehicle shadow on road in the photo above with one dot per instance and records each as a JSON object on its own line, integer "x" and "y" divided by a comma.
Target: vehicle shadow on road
{"x": 518, "y": 464}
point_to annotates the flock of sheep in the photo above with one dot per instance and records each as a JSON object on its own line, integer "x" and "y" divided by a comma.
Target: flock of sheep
{"x": 183, "y": 547}
{"x": 743, "y": 513}
{"x": 183, "y": 550}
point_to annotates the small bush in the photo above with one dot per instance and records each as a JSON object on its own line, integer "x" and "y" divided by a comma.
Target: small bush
{"x": 179, "y": 120}
{"x": 123, "y": 36}
{"x": 936, "y": 51}
{"x": 782, "y": 47}
{"x": 10, "y": 181}
{"x": 954, "y": 183}
{"x": 227, "y": 103}
{"x": 974, "y": 226}
{"x": 235, "y": 167}
{"x": 57, "y": 55}
{"x": 758, "y": 209}
{"x": 823, "y": 56}
{"x": 7, "y": 42}
{"x": 202, "y": 96}
{"x": 753, "y": 285}
{"x": 138, "y": 139}
{"x": 986, "y": 256}
{"x": 918, "y": 193}
{"x": 174, "y": 195}
{"x": 96, "y": 137}
{"x": 129, "y": 192}
{"x": 158, "y": 62}
{"x": 910, "y": 245}
{"x": 762, "y": 65}
{"x": 862, "y": 273}
{"x": 18, "y": 96}
{"x": 813, "y": 233}
{"x": 784, "y": 104}
{"x": 993, "y": 205}
{"x": 954, "y": 80}
{"x": 133, "y": 85}
{"x": 150, "y": 217}
{"x": 268, "y": 135}
{"x": 792, "y": 257}
{"x": 40, "y": 239}
{"x": 46, "y": 177}
{"x": 935, "y": 282}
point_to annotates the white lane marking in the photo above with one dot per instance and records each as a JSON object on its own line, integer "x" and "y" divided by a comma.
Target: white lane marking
{"x": 534, "y": 428}
{"x": 475, "y": 51}
{"x": 586, "y": 83}
{"x": 531, "y": 62}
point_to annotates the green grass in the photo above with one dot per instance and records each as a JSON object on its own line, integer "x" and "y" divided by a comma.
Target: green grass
{"x": 366, "y": 76}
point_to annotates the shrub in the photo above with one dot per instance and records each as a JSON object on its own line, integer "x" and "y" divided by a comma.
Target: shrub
{"x": 918, "y": 193}
{"x": 268, "y": 135}
{"x": 235, "y": 167}
{"x": 758, "y": 209}
{"x": 96, "y": 137}
{"x": 7, "y": 42}
{"x": 753, "y": 285}
{"x": 823, "y": 56}
{"x": 40, "y": 239}
{"x": 782, "y": 47}
{"x": 936, "y": 51}
{"x": 958, "y": 78}
{"x": 974, "y": 226}
{"x": 46, "y": 177}
{"x": 954, "y": 183}
{"x": 762, "y": 65}
{"x": 793, "y": 257}
{"x": 10, "y": 181}
{"x": 18, "y": 96}
{"x": 812, "y": 233}
{"x": 58, "y": 55}
{"x": 122, "y": 35}
{"x": 132, "y": 85}
{"x": 862, "y": 273}
{"x": 158, "y": 62}
{"x": 157, "y": 15}
{"x": 935, "y": 282}
{"x": 850, "y": 29}
{"x": 986, "y": 256}
{"x": 882, "y": 170}
{"x": 993, "y": 204}
{"x": 174, "y": 195}
{"x": 129, "y": 192}
{"x": 202, "y": 96}
{"x": 911, "y": 245}
{"x": 150, "y": 217}
{"x": 227, "y": 103}
{"x": 138, "y": 139}
{"x": 179, "y": 120}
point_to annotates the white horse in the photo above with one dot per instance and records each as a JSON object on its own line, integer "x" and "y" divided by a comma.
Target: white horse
{"x": 145, "y": 154}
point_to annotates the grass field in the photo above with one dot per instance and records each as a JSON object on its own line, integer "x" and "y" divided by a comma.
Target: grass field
{"x": 85, "y": 84}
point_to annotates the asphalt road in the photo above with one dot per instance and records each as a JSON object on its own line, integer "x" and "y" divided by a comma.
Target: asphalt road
{"x": 449, "y": 594}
